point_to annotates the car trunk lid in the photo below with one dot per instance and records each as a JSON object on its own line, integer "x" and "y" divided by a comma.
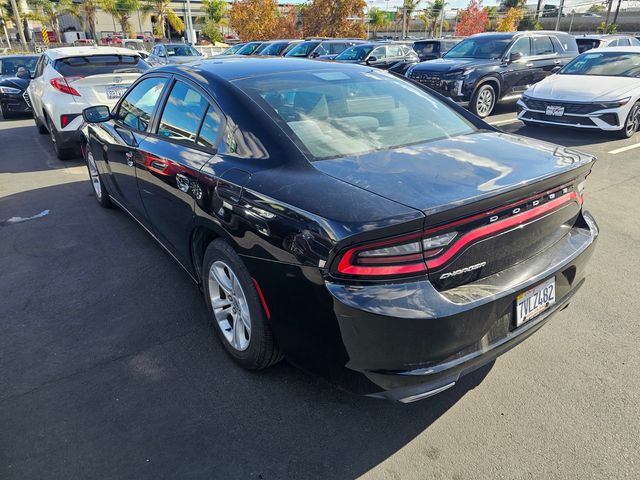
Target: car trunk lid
{"x": 103, "y": 89}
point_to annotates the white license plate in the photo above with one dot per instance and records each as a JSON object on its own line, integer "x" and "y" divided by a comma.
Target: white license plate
{"x": 534, "y": 301}
{"x": 116, "y": 92}
{"x": 555, "y": 111}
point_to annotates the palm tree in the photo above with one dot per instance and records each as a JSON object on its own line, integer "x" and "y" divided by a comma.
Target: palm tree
{"x": 377, "y": 19}
{"x": 425, "y": 16}
{"x": 435, "y": 9}
{"x": 46, "y": 11}
{"x": 408, "y": 8}
{"x": 122, "y": 11}
{"x": 164, "y": 13}
{"x": 85, "y": 12}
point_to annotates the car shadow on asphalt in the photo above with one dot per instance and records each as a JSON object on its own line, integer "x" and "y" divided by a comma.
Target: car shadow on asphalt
{"x": 29, "y": 154}
{"x": 111, "y": 369}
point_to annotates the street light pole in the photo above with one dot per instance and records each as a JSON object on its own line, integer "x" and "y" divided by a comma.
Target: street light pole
{"x": 559, "y": 14}
{"x": 189, "y": 24}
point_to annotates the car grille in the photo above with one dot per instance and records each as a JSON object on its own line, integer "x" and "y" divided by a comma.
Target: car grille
{"x": 578, "y": 121}
{"x": 27, "y": 100}
{"x": 432, "y": 80}
{"x": 569, "y": 108}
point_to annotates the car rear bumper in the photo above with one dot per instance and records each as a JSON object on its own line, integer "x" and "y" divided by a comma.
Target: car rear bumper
{"x": 412, "y": 341}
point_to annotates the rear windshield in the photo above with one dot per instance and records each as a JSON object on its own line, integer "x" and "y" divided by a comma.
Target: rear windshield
{"x": 9, "y": 65}
{"x": 424, "y": 48}
{"x": 585, "y": 44}
{"x": 337, "y": 113}
{"x": 100, "y": 64}
{"x": 181, "y": 51}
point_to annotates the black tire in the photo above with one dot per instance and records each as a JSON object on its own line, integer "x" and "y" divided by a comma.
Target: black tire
{"x": 42, "y": 129}
{"x": 632, "y": 122}
{"x": 5, "y": 115}
{"x": 99, "y": 190}
{"x": 262, "y": 350}
{"x": 61, "y": 153}
{"x": 483, "y": 100}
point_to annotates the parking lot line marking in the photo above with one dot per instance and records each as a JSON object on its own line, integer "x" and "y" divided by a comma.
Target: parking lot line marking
{"x": 504, "y": 122}
{"x": 624, "y": 149}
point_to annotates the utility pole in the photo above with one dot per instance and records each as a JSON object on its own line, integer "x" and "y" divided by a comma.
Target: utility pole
{"x": 190, "y": 38}
{"x": 404, "y": 20}
{"x": 615, "y": 15}
{"x": 18, "y": 21}
{"x": 573, "y": 12}
{"x": 441, "y": 19}
{"x": 559, "y": 14}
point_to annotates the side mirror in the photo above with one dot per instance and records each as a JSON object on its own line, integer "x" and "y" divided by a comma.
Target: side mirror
{"x": 23, "y": 73}
{"x": 96, "y": 114}
{"x": 514, "y": 57}
{"x": 371, "y": 60}
{"x": 556, "y": 69}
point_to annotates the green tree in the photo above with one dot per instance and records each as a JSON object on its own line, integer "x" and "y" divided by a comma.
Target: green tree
{"x": 604, "y": 28}
{"x": 122, "y": 11}
{"x": 377, "y": 19}
{"x": 492, "y": 14}
{"x": 409, "y": 7}
{"x": 434, "y": 9}
{"x": 85, "y": 12}
{"x": 214, "y": 16}
{"x": 164, "y": 14}
{"x": 597, "y": 8}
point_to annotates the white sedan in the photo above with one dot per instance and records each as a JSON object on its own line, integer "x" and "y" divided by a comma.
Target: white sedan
{"x": 599, "y": 89}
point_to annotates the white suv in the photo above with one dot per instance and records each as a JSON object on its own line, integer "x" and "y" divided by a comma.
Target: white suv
{"x": 68, "y": 80}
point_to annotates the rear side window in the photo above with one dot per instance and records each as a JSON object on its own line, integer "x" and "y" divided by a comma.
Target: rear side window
{"x": 336, "y": 48}
{"x": 542, "y": 46}
{"x": 210, "y": 128}
{"x": 99, "y": 64}
{"x": 182, "y": 113}
{"x": 136, "y": 108}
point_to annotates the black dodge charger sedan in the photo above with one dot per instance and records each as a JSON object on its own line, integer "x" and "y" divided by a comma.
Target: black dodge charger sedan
{"x": 15, "y": 71}
{"x": 349, "y": 220}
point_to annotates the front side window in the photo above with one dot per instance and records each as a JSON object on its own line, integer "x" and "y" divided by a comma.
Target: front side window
{"x": 182, "y": 113}
{"x": 344, "y": 112}
{"x": 521, "y": 46}
{"x": 138, "y": 105}
{"x": 624, "y": 42}
{"x": 85, "y": 66}
{"x": 379, "y": 53}
{"x": 542, "y": 46}
{"x": 303, "y": 49}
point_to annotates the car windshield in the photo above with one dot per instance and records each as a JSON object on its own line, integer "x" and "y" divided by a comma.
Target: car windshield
{"x": 248, "y": 48}
{"x": 479, "y": 47}
{"x": 336, "y": 113}
{"x": 603, "y": 63}
{"x": 100, "y": 64}
{"x": 181, "y": 51}
{"x": 302, "y": 49}
{"x": 359, "y": 52}
{"x": 274, "y": 48}
{"x": 233, "y": 50}
{"x": 9, "y": 65}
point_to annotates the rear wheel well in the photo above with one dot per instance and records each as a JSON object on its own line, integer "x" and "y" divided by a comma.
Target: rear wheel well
{"x": 201, "y": 237}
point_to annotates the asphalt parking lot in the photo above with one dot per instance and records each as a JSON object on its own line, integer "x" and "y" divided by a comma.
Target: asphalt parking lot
{"x": 108, "y": 368}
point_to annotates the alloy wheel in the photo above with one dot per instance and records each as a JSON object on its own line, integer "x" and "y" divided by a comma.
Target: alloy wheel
{"x": 633, "y": 123}
{"x": 229, "y": 305}
{"x": 484, "y": 102}
{"x": 93, "y": 173}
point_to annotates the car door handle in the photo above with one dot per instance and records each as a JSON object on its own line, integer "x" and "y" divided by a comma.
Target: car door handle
{"x": 529, "y": 65}
{"x": 557, "y": 62}
{"x": 129, "y": 157}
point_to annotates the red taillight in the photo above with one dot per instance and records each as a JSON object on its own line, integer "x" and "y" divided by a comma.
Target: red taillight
{"x": 61, "y": 84}
{"x": 415, "y": 253}
{"x": 67, "y": 118}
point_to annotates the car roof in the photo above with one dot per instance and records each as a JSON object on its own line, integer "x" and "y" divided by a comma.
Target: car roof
{"x": 65, "y": 52}
{"x": 615, "y": 49}
{"x": 234, "y": 67}
{"x": 23, "y": 55}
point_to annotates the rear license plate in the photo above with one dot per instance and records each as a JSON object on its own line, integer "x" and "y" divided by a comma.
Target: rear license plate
{"x": 116, "y": 91}
{"x": 535, "y": 301}
{"x": 555, "y": 111}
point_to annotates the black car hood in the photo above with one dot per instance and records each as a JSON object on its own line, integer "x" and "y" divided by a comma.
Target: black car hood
{"x": 437, "y": 175}
{"x": 443, "y": 65}
{"x": 14, "y": 82}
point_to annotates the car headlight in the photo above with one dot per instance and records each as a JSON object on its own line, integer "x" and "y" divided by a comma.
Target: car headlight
{"x": 409, "y": 70}
{"x": 615, "y": 103}
{"x": 10, "y": 90}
